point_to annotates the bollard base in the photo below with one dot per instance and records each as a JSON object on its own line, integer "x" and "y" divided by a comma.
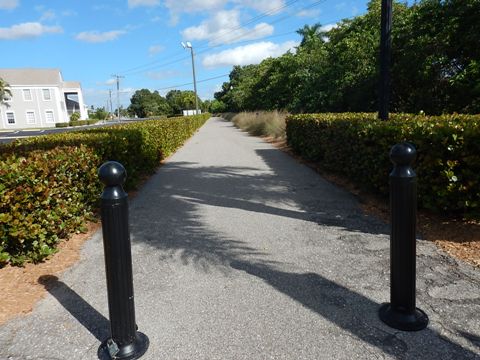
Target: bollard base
{"x": 127, "y": 352}
{"x": 401, "y": 320}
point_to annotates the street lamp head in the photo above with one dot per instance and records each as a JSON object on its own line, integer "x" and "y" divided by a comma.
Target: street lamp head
{"x": 189, "y": 44}
{"x": 184, "y": 45}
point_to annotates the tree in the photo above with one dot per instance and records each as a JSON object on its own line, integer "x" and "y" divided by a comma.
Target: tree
{"x": 436, "y": 56}
{"x": 311, "y": 34}
{"x": 435, "y": 64}
{"x": 4, "y": 91}
{"x": 99, "y": 113}
{"x": 217, "y": 106}
{"x": 182, "y": 100}
{"x": 145, "y": 103}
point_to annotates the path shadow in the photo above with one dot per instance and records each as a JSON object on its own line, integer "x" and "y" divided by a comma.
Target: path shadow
{"x": 90, "y": 318}
{"x": 356, "y": 314}
{"x": 169, "y": 215}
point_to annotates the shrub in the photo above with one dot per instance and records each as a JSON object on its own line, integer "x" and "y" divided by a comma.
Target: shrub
{"x": 357, "y": 146}
{"x": 260, "y": 123}
{"x": 61, "y": 125}
{"x": 49, "y": 184}
{"x": 43, "y": 197}
{"x": 75, "y": 117}
{"x": 78, "y": 122}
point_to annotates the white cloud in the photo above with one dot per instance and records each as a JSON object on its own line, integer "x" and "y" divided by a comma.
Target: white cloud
{"x": 264, "y": 6}
{"x": 177, "y": 7}
{"x": 9, "y": 4}
{"x": 225, "y": 28}
{"x": 155, "y": 49}
{"x": 328, "y": 27}
{"x": 48, "y": 15}
{"x": 137, "y": 3}
{"x": 99, "y": 37}
{"x": 249, "y": 54}
{"x": 27, "y": 30}
{"x": 194, "y": 5}
{"x": 309, "y": 13}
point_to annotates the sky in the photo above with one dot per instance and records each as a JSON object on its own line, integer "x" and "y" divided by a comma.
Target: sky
{"x": 140, "y": 40}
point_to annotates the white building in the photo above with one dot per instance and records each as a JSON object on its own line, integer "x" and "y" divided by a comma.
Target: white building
{"x": 40, "y": 99}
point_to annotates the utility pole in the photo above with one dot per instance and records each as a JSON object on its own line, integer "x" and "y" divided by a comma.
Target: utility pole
{"x": 189, "y": 46}
{"x": 118, "y": 77}
{"x": 111, "y": 104}
{"x": 385, "y": 54}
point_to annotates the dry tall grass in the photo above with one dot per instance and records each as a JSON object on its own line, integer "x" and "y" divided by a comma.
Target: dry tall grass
{"x": 260, "y": 123}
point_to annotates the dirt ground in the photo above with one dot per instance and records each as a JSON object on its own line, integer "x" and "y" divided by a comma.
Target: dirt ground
{"x": 21, "y": 289}
{"x": 20, "y": 286}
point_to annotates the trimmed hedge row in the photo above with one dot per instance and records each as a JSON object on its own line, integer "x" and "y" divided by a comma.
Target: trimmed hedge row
{"x": 49, "y": 184}
{"x": 76, "y": 123}
{"x": 82, "y": 122}
{"x": 357, "y": 145}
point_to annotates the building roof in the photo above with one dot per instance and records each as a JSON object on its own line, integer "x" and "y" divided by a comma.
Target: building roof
{"x": 30, "y": 76}
{"x": 71, "y": 84}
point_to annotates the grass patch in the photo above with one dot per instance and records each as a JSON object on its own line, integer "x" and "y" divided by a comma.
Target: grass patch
{"x": 260, "y": 123}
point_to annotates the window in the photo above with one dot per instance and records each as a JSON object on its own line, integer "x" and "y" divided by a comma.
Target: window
{"x": 31, "y": 117}
{"x": 46, "y": 94}
{"x": 50, "y": 118}
{"x": 27, "y": 95}
{"x": 10, "y": 118}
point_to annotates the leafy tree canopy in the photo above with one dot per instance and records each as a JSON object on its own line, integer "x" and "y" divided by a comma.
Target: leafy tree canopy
{"x": 145, "y": 103}
{"x": 435, "y": 64}
{"x": 4, "y": 91}
{"x": 182, "y": 100}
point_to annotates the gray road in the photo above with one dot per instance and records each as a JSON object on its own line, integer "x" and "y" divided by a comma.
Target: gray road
{"x": 240, "y": 252}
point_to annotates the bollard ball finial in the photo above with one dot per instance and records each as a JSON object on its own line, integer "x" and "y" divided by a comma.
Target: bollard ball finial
{"x": 112, "y": 173}
{"x": 403, "y": 154}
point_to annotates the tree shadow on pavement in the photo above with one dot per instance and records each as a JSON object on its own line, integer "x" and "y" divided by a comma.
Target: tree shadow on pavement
{"x": 176, "y": 213}
{"x": 356, "y": 314}
{"x": 168, "y": 212}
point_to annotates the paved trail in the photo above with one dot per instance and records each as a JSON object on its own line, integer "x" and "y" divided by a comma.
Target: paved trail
{"x": 240, "y": 252}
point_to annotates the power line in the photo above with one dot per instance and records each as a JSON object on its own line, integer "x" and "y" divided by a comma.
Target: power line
{"x": 254, "y": 19}
{"x": 251, "y": 21}
{"x": 190, "y": 83}
{"x": 307, "y": 7}
{"x": 202, "y": 51}
{"x": 310, "y": 6}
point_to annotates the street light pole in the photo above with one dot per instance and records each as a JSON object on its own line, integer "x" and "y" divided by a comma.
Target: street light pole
{"x": 118, "y": 77}
{"x": 189, "y": 45}
{"x": 385, "y": 51}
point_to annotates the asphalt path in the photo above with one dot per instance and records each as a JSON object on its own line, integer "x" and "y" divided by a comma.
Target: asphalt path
{"x": 241, "y": 252}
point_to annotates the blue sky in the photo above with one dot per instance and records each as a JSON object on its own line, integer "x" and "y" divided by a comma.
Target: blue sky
{"x": 141, "y": 39}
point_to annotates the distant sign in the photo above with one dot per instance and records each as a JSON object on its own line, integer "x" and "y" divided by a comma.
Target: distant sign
{"x": 191, "y": 112}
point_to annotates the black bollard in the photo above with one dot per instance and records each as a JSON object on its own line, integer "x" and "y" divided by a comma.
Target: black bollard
{"x": 401, "y": 312}
{"x": 125, "y": 341}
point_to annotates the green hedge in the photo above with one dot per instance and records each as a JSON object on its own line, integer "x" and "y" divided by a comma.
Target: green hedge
{"x": 49, "y": 184}
{"x": 357, "y": 146}
{"x": 82, "y": 122}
